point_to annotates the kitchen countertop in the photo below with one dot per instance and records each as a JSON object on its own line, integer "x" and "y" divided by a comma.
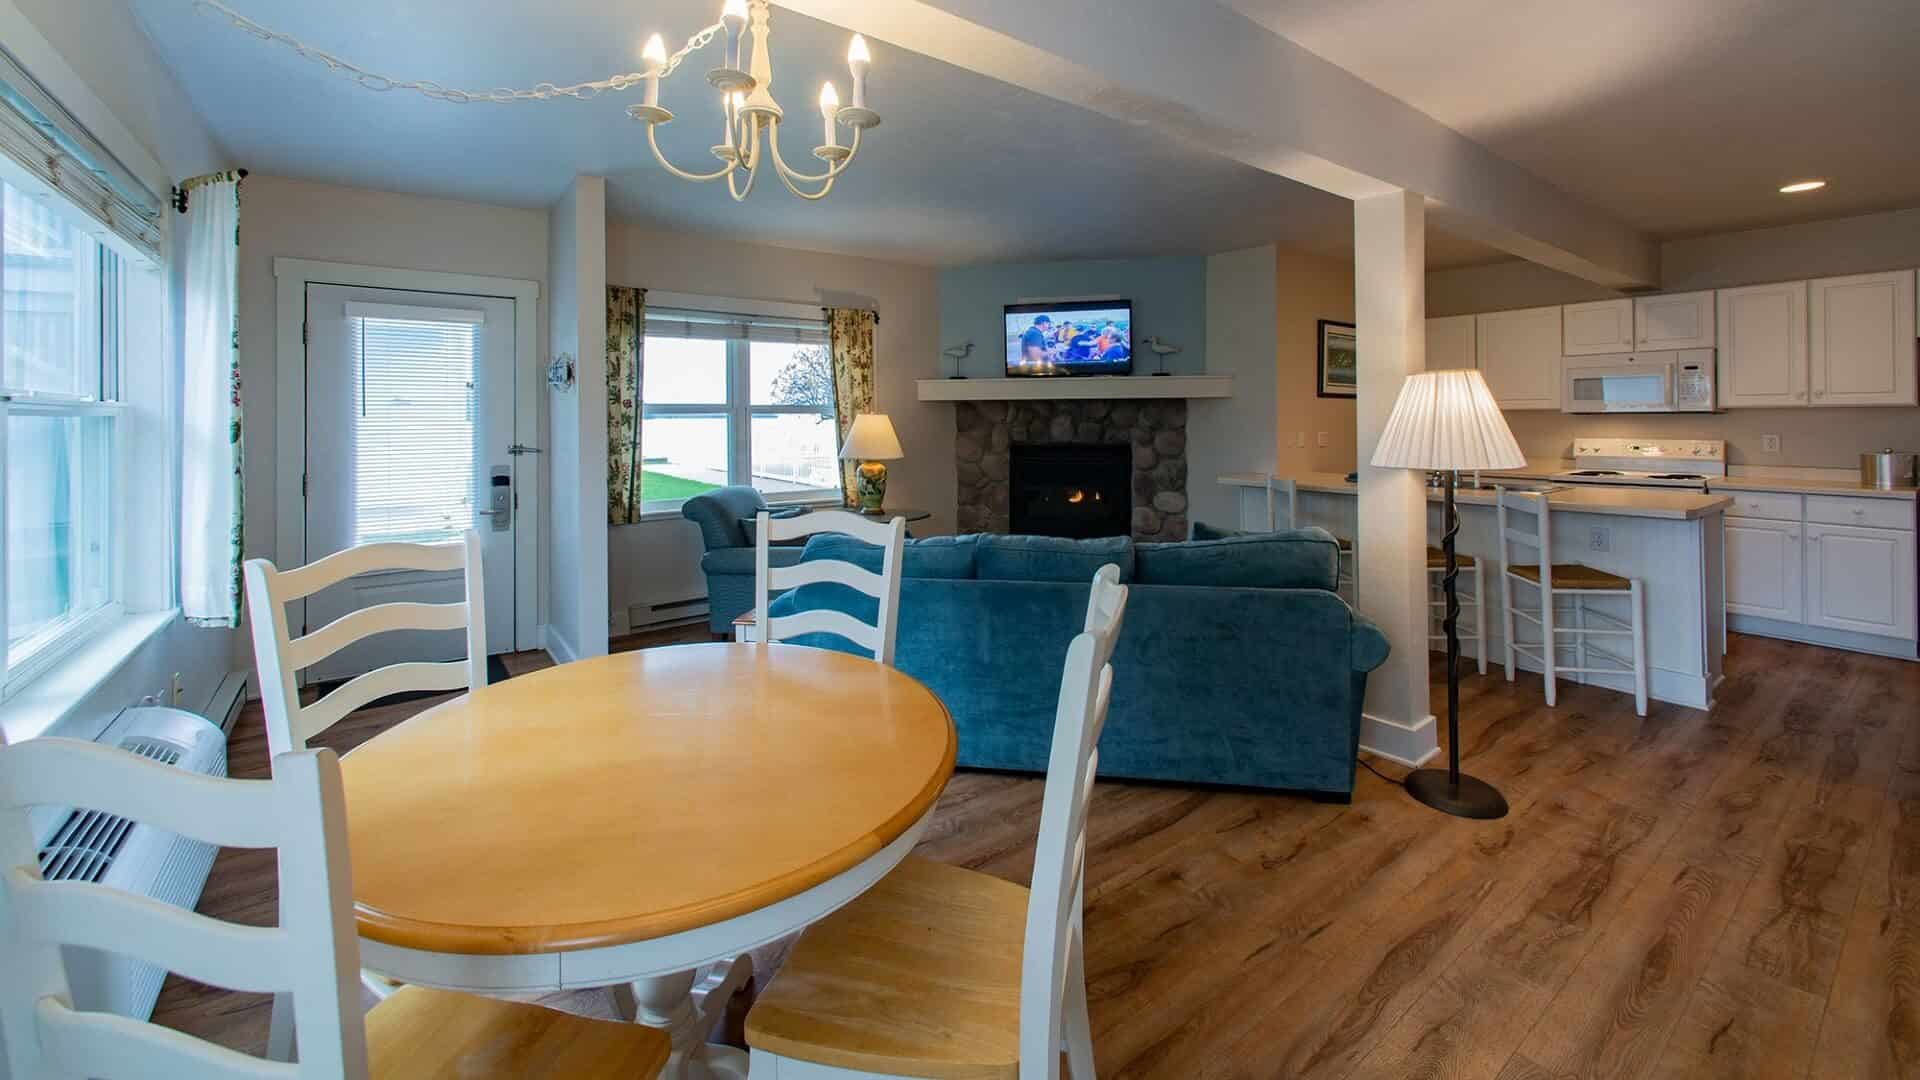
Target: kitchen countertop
{"x": 1811, "y": 487}
{"x": 1572, "y": 499}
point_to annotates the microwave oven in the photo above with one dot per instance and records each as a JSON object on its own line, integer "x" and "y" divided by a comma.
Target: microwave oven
{"x": 1679, "y": 380}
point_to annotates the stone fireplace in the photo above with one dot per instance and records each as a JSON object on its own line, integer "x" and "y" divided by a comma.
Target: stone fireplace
{"x": 1155, "y": 431}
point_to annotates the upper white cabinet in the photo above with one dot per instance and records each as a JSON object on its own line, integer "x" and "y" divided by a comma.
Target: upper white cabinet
{"x": 1450, "y": 343}
{"x": 1519, "y": 356}
{"x": 1674, "y": 321}
{"x": 1861, "y": 348}
{"x": 1763, "y": 346}
{"x": 1598, "y": 328}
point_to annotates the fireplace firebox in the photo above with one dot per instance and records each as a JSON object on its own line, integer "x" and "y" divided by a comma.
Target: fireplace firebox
{"x": 1077, "y": 490}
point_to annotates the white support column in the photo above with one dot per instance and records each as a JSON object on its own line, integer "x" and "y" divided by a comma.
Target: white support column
{"x": 1390, "y": 308}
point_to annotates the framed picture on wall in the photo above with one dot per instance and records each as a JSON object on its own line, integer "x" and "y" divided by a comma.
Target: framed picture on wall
{"x": 1338, "y": 374}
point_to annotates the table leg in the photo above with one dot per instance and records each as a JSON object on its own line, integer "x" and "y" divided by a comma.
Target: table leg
{"x": 686, "y": 1006}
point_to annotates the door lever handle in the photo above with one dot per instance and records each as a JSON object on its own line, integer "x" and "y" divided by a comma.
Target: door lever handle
{"x": 520, "y": 448}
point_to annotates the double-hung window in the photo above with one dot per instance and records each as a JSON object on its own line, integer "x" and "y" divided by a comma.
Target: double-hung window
{"x": 59, "y": 421}
{"x": 736, "y": 399}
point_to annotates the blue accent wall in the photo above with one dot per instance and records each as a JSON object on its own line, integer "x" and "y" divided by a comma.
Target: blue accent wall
{"x": 1169, "y": 302}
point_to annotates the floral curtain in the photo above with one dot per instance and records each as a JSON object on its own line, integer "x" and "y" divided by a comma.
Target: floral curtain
{"x": 626, "y": 350}
{"x": 212, "y": 489}
{"x": 850, "y": 343}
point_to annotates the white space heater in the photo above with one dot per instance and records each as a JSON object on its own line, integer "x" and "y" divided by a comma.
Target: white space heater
{"x": 78, "y": 844}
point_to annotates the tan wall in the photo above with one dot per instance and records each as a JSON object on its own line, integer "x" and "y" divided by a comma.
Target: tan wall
{"x": 1310, "y": 288}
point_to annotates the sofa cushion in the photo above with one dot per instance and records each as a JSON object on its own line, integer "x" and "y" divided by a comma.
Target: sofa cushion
{"x": 934, "y": 557}
{"x": 1289, "y": 559}
{"x": 749, "y": 526}
{"x": 1050, "y": 558}
{"x": 739, "y": 560}
{"x": 1204, "y": 531}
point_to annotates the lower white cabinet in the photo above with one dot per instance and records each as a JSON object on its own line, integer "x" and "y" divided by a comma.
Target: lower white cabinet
{"x": 1860, "y": 580}
{"x": 1763, "y": 568}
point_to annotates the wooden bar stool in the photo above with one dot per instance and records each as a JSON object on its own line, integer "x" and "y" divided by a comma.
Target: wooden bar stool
{"x": 1581, "y": 584}
{"x": 1469, "y": 566}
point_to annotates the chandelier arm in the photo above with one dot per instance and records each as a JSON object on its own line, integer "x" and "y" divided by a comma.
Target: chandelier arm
{"x": 753, "y": 171}
{"x": 698, "y": 178}
{"x": 810, "y": 197}
{"x": 833, "y": 172}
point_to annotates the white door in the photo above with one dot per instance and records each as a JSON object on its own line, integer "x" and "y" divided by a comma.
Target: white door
{"x": 1450, "y": 343}
{"x": 410, "y": 409}
{"x": 1763, "y": 568}
{"x": 1598, "y": 328}
{"x": 1862, "y": 349}
{"x": 1674, "y": 321}
{"x": 1763, "y": 346}
{"x": 1519, "y": 354}
{"x": 1860, "y": 580}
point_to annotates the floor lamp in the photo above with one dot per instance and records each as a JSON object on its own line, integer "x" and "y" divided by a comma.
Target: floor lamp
{"x": 1447, "y": 421}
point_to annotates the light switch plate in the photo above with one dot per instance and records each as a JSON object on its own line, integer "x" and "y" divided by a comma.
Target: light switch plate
{"x": 1322, "y": 438}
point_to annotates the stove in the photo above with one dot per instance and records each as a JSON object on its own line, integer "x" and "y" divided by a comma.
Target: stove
{"x": 1686, "y": 464}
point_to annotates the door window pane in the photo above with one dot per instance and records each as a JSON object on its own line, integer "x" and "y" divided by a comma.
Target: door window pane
{"x": 51, "y": 318}
{"x": 413, "y": 416}
{"x": 58, "y": 500}
{"x": 682, "y": 456}
{"x": 794, "y": 452}
{"x": 791, "y": 375}
{"x": 684, "y": 371}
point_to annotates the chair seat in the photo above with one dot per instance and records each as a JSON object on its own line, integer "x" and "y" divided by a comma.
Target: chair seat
{"x": 1345, "y": 544}
{"x": 1437, "y": 560}
{"x": 1573, "y": 577}
{"x": 423, "y": 1033}
{"x": 918, "y": 977}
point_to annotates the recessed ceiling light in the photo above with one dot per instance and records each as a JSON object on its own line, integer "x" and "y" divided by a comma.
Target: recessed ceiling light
{"x": 1799, "y": 186}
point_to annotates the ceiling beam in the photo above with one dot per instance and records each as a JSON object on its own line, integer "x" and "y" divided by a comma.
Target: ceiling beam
{"x": 1201, "y": 72}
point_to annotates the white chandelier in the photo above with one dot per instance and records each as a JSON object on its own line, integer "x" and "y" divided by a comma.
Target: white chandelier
{"x": 746, "y": 97}
{"x": 749, "y": 111}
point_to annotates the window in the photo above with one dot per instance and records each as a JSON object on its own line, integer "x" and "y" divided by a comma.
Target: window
{"x": 413, "y": 416}
{"x": 59, "y": 328}
{"x": 734, "y": 399}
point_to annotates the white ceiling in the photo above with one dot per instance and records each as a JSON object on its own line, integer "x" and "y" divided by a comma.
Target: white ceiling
{"x": 1677, "y": 116}
{"x": 964, "y": 168}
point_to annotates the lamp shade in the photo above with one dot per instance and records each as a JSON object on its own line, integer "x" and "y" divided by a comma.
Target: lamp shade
{"x": 1447, "y": 420}
{"x": 871, "y": 439}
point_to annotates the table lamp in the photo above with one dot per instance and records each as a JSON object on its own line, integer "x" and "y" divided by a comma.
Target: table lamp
{"x": 871, "y": 441}
{"x": 1447, "y": 421}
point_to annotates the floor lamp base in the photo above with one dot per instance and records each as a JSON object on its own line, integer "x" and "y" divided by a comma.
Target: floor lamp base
{"x": 1470, "y": 798}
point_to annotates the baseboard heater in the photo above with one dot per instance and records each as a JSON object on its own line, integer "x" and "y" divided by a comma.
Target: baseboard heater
{"x": 78, "y": 844}
{"x": 640, "y": 616}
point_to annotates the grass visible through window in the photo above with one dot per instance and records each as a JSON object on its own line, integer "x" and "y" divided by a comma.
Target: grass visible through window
{"x": 660, "y": 487}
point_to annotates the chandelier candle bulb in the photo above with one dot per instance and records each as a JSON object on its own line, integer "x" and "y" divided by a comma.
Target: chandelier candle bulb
{"x": 733, "y": 15}
{"x": 829, "y": 105}
{"x": 857, "y": 60}
{"x": 655, "y": 56}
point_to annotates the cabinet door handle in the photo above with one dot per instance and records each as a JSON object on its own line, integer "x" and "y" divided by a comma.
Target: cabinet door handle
{"x": 1799, "y": 395}
{"x": 1819, "y": 393}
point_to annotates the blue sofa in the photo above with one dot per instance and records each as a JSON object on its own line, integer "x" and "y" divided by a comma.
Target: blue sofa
{"x": 1237, "y": 662}
{"x": 722, "y": 515}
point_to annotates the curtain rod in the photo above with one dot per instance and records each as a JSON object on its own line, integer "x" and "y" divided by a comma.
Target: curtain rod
{"x": 180, "y": 190}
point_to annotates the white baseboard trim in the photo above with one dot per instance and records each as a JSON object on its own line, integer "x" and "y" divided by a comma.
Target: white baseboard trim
{"x": 1412, "y": 745}
{"x": 1898, "y": 648}
{"x": 557, "y": 645}
{"x": 227, "y": 701}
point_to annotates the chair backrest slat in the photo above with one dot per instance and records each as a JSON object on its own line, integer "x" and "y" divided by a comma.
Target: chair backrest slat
{"x": 890, "y": 536}
{"x": 312, "y": 954}
{"x": 1278, "y": 487}
{"x": 280, "y": 657}
{"x": 1059, "y": 864}
{"x": 1540, "y": 541}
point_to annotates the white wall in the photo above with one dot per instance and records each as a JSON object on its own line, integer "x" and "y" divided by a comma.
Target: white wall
{"x": 577, "y": 443}
{"x": 297, "y": 219}
{"x": 906, "y": 348}
{"x": 1235, "y": 434}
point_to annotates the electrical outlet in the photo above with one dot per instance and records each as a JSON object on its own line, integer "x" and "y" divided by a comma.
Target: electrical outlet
{"x": 1769, "y": 444}
{"x": 174, "y": 691}
{"x": 1322, "y": 438}
{"x": 1600, "y": 539}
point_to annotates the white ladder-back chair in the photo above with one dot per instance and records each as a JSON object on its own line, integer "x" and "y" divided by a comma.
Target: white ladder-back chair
{"x": 942, "y": 971}
{"x": 1549, "y": 581}
{"x": 308, "y": 959}
{"x": 1474, "y": 603}
{"x": 280, "y": 657}
{"x": 888, "y": 535}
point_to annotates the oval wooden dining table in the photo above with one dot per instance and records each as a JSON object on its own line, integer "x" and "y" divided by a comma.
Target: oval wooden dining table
{"x": 639, "y": 821}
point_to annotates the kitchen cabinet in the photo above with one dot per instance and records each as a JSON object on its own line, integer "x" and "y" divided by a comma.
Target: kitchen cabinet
{"x": 1674, "y": 321}
{"x": 1598, "y": 328}
{"x": 1860, "y": 580}
{"x": 1763, "y": 567}
{"x": 1450, "y": 343}
{"x": 1763, "y": 346}
{"x": 1518, "y": 353}
{"x": 1861, "y": 340}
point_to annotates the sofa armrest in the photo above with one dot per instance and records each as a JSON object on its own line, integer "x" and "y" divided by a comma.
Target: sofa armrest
{"x": 1370, "y": 645}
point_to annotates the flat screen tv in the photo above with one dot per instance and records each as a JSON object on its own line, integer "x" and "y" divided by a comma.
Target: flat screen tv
{"x": 1093, "y": 337}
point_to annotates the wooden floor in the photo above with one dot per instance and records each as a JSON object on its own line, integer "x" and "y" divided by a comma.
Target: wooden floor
{"x": 1734, "y": 893}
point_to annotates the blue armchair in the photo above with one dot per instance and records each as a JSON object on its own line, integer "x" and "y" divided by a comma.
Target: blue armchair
{"x": 728, "y": 563}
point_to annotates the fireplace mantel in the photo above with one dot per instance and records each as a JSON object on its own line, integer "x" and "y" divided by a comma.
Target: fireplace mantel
{"x": 1078, "y": 388}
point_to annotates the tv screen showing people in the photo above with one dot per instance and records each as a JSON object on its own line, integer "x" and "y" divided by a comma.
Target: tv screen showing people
{"x": 1092, "y": 338}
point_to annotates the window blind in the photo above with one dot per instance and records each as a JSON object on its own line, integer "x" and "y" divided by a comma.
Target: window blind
{"x": 721, "y": 326}
{"x": 414, "y": 411}
{"x": 47, "y": 144}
